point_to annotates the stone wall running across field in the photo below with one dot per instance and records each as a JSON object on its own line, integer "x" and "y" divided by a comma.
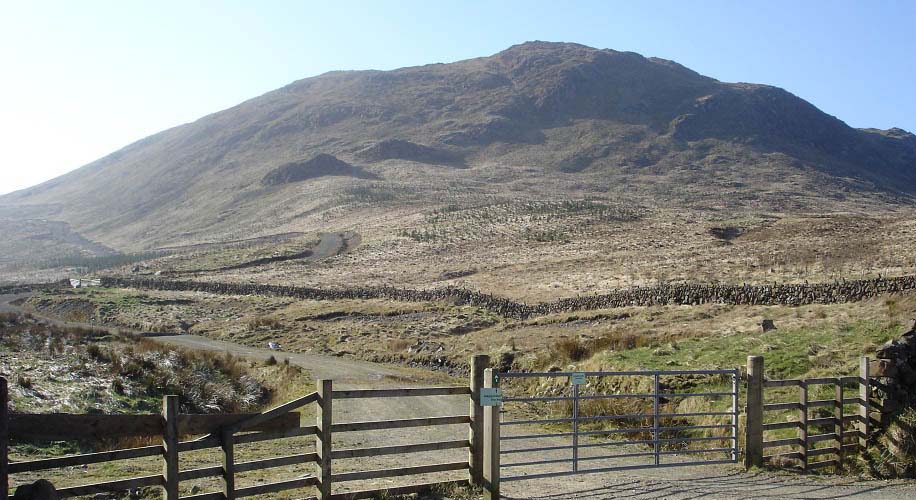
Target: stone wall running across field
{"x": 674, "y": 294}
{"x": 30, "y": 287}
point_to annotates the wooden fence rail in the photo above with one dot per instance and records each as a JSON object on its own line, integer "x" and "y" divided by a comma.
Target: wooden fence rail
{"x": 845, "y": 433}
{"x": 225, "y": 431}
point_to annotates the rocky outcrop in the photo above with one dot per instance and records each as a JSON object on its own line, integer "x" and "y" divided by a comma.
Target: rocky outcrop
{"x": 894, "y": 375}
{"x": 319, "y": 166}
{"x": 397, "y": 149}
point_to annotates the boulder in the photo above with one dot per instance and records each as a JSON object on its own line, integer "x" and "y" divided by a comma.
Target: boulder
{"x": 39, "y": 490}
{"x": 890, "y": 350}
{"x": 882, "y": 368}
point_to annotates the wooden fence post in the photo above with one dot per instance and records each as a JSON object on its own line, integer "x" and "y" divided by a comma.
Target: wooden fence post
{"x": 479, "y": 363}
{"x": 491, "y": 445}
{"x": 753, "y": 426}
{"x": 803, "y": 422}
{"x": 170, "y": 446}
{"x": 865, "y": 403}
{"x": 4, "y": 439}
{"x": 323, "y": 448}
{"x": 838, "y": 421}
{"x": 227, "y": 443}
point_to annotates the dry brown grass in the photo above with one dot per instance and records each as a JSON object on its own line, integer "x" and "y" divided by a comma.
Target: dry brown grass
{"x": 268, "y": 322}
{"x": 399, "y": 345}
{"x": 665, "y": 245}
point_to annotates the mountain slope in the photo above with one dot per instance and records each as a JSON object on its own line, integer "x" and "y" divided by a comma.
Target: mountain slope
{"x": 623, "y": 123}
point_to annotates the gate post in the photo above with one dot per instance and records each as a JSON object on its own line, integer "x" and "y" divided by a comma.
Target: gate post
{"x": 4, "y": 439}
{"x": 479, "y": 363}
{"x": 575, "y": 428}
{"x": 170, "y": 446}
{"x": 736, "y": 378}
{"x": 803, "y": 422}
{"x": 753, "y": 426}
{"x": 838, "y": 418}
{"x": 656, "y": 423}
{"x": 491, "y": 445}
{"x": 864, "y": 404}
{"x": 227, "y": 443}
{"x": 325, "y": 398}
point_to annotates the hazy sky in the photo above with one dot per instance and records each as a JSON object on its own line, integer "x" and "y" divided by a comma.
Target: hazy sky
{"x": 81, "y": 79}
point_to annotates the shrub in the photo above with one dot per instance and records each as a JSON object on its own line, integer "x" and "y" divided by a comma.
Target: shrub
{"x": 398, "y": 345}
{"x": 571, "y": 349}
{"x": 55, "y": 346}
{"x": 24, "y": 382}
{"x": 271, "y": 361}
{"x": 94, "y": 351}
{"x": 574, "y": 349}
{"x": 264, "y": 321}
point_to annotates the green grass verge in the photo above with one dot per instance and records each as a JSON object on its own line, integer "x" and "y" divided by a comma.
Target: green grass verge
{"x": 789, "y": 353}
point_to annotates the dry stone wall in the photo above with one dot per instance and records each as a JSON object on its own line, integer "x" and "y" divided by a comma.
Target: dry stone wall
{"x": 894, "y": 375}
{"x": 674, "y": 294}
{"x": 31, "y": 287}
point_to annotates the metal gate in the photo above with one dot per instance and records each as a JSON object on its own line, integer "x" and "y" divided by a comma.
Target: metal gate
{"x": 640, "y": 429}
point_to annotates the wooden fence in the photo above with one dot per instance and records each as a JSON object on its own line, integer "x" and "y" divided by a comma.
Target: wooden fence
{"x": 224, "y": 431}
{"x": 820, "y": 441}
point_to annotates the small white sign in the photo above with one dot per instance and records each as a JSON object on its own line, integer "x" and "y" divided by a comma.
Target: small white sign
{"x": 491, "y": 396}
{"x": 577, "y": 378}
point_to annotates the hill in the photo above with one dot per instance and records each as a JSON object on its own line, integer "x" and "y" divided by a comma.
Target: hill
{"x": 382, "y": 152}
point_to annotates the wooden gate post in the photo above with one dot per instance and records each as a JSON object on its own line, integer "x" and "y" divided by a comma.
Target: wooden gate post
{"x": 803, "y": 422}
{"x": 479, "y": 363}
{"x": 227, "y": 443}
{"x": 4, "y": 439}
{"x": 170, "y": 446}
{"x": 753, "y": 426}
{"x": 838, "y": 422}
{"x": 491, "y": 445}
{"x": 325, "y": 404}
{"x": 864, "y": 404}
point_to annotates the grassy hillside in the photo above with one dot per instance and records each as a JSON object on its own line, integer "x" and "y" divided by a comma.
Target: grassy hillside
{"x": 539, "y": 123}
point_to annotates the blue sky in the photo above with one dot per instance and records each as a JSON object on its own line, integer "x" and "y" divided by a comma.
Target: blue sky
{"x": 82, "y": 79}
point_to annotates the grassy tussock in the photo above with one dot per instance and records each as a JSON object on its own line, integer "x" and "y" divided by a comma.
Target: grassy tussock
{"x": 266, "y": 322}
{"x": 576, "y": 349}
{"x": 893, "y": 453}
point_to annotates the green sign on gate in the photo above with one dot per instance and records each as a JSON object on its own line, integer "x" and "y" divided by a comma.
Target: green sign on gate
{"x": 577, "y": 379}
{"x": 491, "y": 396}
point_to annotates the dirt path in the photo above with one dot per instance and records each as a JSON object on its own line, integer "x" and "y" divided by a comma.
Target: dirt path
{"x": 710, "y": 482}
{"x": 706, "y": 482}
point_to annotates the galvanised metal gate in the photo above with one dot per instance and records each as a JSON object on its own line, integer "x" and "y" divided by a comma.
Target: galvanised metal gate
{"x": 658, "y": 436}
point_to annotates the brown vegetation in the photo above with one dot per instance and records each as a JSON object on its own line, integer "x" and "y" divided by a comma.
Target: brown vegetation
{"x": 127, "y": 373}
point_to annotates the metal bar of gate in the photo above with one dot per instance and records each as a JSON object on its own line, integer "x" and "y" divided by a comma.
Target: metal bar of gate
{"x": 575, "y": 450}
{"x": 735, "y": 379}
{"x": 656, "y": 442}
{"x": 611, "y": 374}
